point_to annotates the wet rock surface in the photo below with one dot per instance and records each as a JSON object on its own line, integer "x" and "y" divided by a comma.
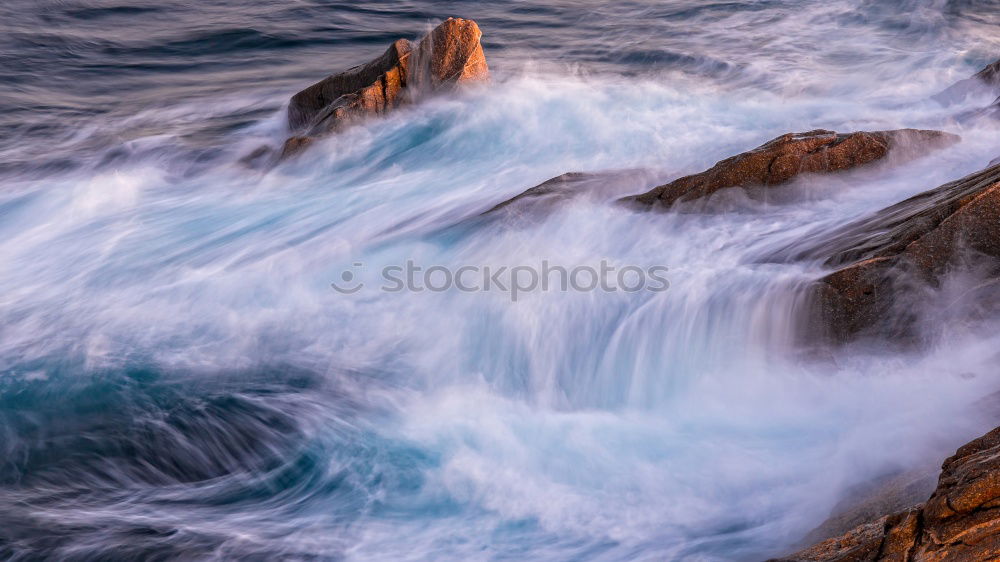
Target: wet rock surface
{"x": 887, "y": 260}
{"x": 959, "y": 522}
{"x": 364, "y": 90}
{"x": 870, "y": 501}
{"x": 600, "y": 185}
{"x": 449, "y": 55}
{"x": 782, "y": 159}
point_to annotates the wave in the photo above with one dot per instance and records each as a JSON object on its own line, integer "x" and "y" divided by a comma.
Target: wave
{"x": 181, "y": 382}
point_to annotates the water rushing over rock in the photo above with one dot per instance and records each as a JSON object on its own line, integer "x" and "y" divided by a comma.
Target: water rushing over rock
{"x": 180, "y": 380}
{"x": 780, "y": 160}
{"x": 958, "y": 522}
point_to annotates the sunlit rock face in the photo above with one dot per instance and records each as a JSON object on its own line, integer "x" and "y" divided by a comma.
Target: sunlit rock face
{"x": 451, "y": 54}
{"x": 369, "y": 89}
{"x": 780, "y": 160}
{"x": 448, "y": 56}
{"x": 959, "y": 522}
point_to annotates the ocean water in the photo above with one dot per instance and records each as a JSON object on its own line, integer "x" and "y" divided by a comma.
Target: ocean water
{"x": 180, "y": 380}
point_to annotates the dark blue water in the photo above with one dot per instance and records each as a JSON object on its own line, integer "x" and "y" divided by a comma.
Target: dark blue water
{"x": 179, "y": 382}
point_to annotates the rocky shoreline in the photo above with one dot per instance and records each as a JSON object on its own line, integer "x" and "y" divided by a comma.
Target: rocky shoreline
{"x": 875, "y": 267}
{"x": 959, "y": 522}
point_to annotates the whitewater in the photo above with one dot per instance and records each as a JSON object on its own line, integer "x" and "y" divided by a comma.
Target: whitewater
{"x": 179, "y": 380}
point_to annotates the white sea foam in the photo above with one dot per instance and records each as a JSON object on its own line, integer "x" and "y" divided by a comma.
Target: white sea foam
{"x": 566, "y": 425}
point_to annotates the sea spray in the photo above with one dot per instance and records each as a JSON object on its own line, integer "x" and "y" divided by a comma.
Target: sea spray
{"x": 180, "y": 379}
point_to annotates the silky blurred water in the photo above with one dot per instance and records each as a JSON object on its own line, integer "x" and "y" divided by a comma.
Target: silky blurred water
{"x": 180, "y": 381}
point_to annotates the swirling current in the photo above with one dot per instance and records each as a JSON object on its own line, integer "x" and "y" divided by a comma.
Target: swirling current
{"x": 179, "y": 381}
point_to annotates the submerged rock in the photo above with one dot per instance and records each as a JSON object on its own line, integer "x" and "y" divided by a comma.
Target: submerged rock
{"x": 986, "y": 81}
{"x": 886, "y": 260}
{"x": 449, "y": 55}
{"x": 606, "y": 185}
{"x": 295, "y": 145}
{"x": 959, "y": 522}
{"x": 788, "y": 156}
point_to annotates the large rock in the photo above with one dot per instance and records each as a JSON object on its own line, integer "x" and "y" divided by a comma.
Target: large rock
{"x": 790, "y": 155}
{"x": 886, "y": 262}
{"x": 449, "y": 55}
{"x": 369, "y": 89}
{"x": 960, "y": 522}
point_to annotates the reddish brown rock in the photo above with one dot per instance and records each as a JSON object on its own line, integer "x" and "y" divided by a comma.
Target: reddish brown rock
{"x": 790, "y": 155}
{"x": 364, "y": 90}
{"x": 885, "y": 260}
{"x": 960, "y": 522}
{"x": 451, "y": 54}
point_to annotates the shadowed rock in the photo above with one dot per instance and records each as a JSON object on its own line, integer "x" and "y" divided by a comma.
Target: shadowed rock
{"x": 538, "y": 202}
{"x": 604, "y": 185}
{"x": 295, "y": 145}
{"x": 887, "y": 259}
{"x": 449, "y": 55}
{"x": 788, "y": 156}
{"x": 986, "y": 81}
{"x": 872, "y": 500}
{"x": 546, "y": 193}
{"x": 960, "y": 522}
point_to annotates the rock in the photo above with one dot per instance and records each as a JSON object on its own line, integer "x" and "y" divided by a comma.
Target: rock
{"x": 546, "y": 193}
{"x": 605, "y": 185}
{"x": 538, "y": 202}
{"x": 986, "y": 81}
{"x": 295, "y": 145}
{"x": 872, "y": 500}
{"x": 790, "y": 155}
{"x": 449, "y": 55}
{"x": 365, "y": 90}
{"x": 260, "y": 158}
{"x": 886, "y": 260}
{"x": 959, "y": 522}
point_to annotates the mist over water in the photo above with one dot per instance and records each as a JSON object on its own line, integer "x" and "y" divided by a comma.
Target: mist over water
{"x": 180, "y": 381}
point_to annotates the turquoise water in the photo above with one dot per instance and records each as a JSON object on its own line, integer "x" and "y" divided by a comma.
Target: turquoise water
{"x": 180, "y": 381}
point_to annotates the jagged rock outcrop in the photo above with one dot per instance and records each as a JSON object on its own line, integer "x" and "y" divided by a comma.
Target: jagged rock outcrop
{"x": 364, "y": 90}
{"x": 884, "y": 261}
{"x": 960, "y": 521}
{"x": 790, "y": 155}
{"x": 449, "y": 55}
